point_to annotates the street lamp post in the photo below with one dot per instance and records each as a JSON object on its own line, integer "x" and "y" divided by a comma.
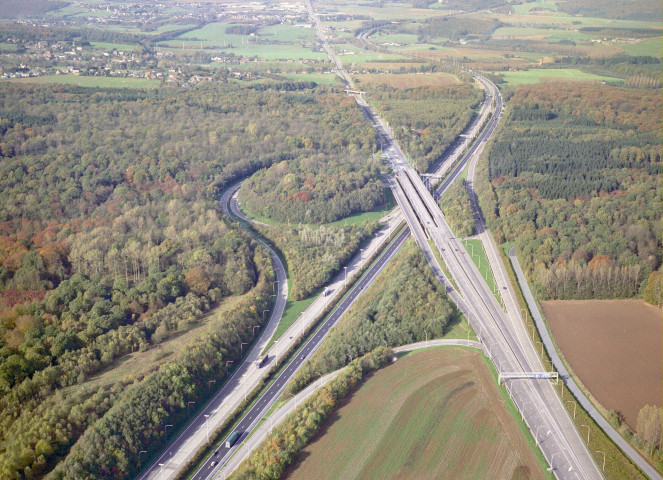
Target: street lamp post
{"x": 574, "y": 408}
{"x": 207, "y": 426}
{"x": 274, "y": 286}
{"x": 588, "y": 429}
{"x": 227, "y": 363}
{"x": 241, "y": 348}
{"x": 165, "y": 429}
{"x": 598, "y": 451}
{"x": 209, "y": 383}
{"x": 187, "y": 407}
{"x": 139, "y": 453}
{"x": 522, "y": 413}
{"x": 263, "y": 314}
{"x": 537, "y": 434}
{"x": 254, "y": 330}
{"x": 552, "y": 461}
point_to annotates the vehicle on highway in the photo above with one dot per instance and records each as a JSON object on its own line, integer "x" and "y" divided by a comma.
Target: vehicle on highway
{"x": 261, "y": 361}
{"x": 212, "y": 464}
{"x": 230, "y": 441}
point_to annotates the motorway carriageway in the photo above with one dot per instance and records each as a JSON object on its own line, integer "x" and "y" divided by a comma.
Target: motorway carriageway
{"x": 258, "y": 410}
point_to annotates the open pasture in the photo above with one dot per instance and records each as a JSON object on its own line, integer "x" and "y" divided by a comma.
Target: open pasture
{"x": 406, "y": 80}
{"x": 522, "y": 77}
{"x": 432, "y": 414}
{"x": 614, "y": 347}
{"x": 101, "y": 82}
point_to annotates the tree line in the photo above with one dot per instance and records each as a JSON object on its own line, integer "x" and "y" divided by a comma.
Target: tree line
{"x": 425, "y": 120}
{"x": 406, "y": 304}
{"x": 109, "y": 229}
{"x": 571, "y": 179}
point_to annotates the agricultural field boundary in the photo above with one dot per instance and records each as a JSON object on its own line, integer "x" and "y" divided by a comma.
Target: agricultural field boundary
{"x": 570, "y": 382}
{"x": 279, "y": 415}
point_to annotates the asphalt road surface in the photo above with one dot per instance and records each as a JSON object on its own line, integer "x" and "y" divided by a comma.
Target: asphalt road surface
{"x": 265, "y": 402}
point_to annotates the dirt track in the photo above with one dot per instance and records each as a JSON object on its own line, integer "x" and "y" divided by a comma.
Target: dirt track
{"x": 615, "y": 347}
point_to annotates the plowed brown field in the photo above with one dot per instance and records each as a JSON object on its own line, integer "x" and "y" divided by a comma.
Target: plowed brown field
{"x": 615, "y": 347}
{"x": 431, "y": 415}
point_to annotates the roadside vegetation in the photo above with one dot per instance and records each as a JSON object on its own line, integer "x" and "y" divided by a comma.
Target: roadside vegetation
{"x": 425, "y": 120}
{"x": 314, "y": 255}
{"x": 111, "y": 243}
{"x": 571, "y": 179}
{"x": 457, "y": 209}
{"x": 405, "y": 304}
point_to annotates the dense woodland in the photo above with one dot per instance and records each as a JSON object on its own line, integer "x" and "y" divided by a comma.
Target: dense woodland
{"x": 111, "y": 243}
{"x": 457, "y": 209}
{"x": 406, "y": 304}
{"x": 425, "y": 120}
{"x": 314, "y": 255}
{"x": 315, "y": 189}
{"x": 574, "y": 179}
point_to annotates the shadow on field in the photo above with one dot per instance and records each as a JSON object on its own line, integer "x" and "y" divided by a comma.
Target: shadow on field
{"x": 329, "y": 421}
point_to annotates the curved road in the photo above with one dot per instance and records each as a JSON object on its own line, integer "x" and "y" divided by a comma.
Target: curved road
{"x": 254, "y": 441}
{"x": 194, "y": 435}
{"x": 250, "y": 420}
{"x": 568, "y": 379}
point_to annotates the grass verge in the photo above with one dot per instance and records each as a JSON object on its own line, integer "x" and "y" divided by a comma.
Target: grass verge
{"x": 617, "y": 465}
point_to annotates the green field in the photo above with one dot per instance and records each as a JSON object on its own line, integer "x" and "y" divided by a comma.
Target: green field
{"x": 433, "y": 414}
{"x": 123, "y": 47}
{"x": 541, "y": 4}
{"x": 320, "y": 79}
{"x": 542, "y": 33}
{"x": 522, "y": 77}
{"x": 104, "y": 82}
{"x": 648, "y": 47}
{"x": 477, "y": 253}
{"x": 287, "y": 33}
{"x": 359, "y": 55}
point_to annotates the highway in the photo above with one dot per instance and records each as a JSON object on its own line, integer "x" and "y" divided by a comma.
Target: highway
{"x": 510, "y": 351}
{"x": 227, "y": 399}
{"x": 251, "y": 419}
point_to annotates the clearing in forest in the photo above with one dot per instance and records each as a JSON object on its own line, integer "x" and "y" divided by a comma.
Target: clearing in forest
{"x": 614, "y": 347}
{"x": 432, "y": 414}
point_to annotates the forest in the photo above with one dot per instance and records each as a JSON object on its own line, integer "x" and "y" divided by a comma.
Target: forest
{"x": 405, "y": 304}
{"x": 112, "y": 245}
{"x": 314, "y": 255}
{"x": 571, "y": 179}
{"x": 425, "y": 120}
{"x": 315, "y": 189}
{"x": 457, "y": 209}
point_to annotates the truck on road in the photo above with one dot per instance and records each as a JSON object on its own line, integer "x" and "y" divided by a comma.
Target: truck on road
{"x": 230, "y": 441}
{"x": 261, "y": 361}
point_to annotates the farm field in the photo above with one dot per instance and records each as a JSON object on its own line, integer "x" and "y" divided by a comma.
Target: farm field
{"x": 83, "y": 81}
{"x": 522, "y": 77}
{"x": 614, "y": 347}
{"x": 648, "y": 46}
{"x": 407, "y": 80}
{"x": 432, "y": 414}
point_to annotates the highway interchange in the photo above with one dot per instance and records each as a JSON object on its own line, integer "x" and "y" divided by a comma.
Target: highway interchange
{"x": 503, "y": 335}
